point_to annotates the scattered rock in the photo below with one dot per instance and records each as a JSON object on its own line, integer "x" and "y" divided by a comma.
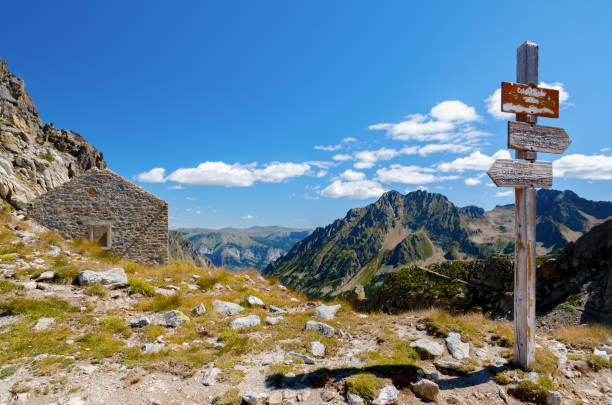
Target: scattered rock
{"x": 275, "y": 398}
{"x": 150, "y": 348}
{"x": 435, "y": 377}
{"x": 306, "y": 359}
{"x": 140, "y": 322}
{"x": 276, "y": 310}
{"x": 426, "y": 389}
{"x": 325, "y": 329}
{"x": 46, "y": 276}
{"x": 387, "y": 395}
{"x": 502, "y": 394}
{"x": 250, "y": 399}
{"x": 245, "y": 322}
{"x": 43, "y": 323}
{"x": 327, "y": 312}
{"x": 226, "y": 308}
{"x": 303, "y": 396}
{"x": 29, "y": 285}
{"x": 353, "y": 399}
{"x": 198, "y": 310}
{"x": 601, "y": 353}
{"x": 166, "y": 292}
{"x": 458, "y": 349}
{"x": 54, "y": 250}
{"x": 328, "y": 395}
{"x": 553, "y": 398}
{"x": 253, "y": 300}
{"x": 273, "y": 320}
{"x": 429, "y": 346}
{"x": 317, "y": 349}
{"x": 171, "y": 319}
{"x": 210, "y": 376}
{"x": 113, "y": 278}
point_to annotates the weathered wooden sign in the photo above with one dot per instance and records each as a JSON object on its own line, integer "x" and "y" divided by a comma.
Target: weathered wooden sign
{"x": 521, "y": 173}
{"x": 537, "y": 138}
{"x": 525, "y": 99}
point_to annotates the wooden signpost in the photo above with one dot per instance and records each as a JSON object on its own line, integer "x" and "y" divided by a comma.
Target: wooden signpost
{"x": 524, "y": 174}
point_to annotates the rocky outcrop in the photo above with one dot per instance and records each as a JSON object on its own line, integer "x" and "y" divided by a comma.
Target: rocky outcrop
{"x": 35, "y": 157}
{"x": 181, "y": 249}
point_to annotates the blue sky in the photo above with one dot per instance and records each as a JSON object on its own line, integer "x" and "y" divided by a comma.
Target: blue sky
{"x": 242, "y": 113}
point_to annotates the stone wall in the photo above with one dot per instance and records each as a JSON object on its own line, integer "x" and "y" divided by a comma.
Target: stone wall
{"x": 137, "y": 220}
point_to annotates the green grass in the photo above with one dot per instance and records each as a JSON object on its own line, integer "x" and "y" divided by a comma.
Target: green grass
{"x": 163, "y": 303}
{"x": 598, "y": 363}
{"x": 96, "y": 290}
{"x": 35, "y": 309}
{"x": 7, "y": 286}
{"x": 364, "y": 385}
{"x": 139, "y": 286}
{"x": 48, "y": 158}
{"x": 230, "y": 397}
{"x": 7, "y": 372}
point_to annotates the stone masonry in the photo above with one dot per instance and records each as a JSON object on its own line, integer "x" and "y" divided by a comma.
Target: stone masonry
{"x": 102, "y": 206}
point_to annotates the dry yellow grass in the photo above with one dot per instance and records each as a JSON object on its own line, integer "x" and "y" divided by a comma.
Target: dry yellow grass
{"x": 585, "y": 336}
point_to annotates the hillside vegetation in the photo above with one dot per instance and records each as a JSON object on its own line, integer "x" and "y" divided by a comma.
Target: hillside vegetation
{"x": 183, "y": 334}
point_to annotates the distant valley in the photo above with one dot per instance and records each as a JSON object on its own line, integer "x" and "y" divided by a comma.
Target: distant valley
{"x": 237, "y": 249}
{"x": 422, "y": 228}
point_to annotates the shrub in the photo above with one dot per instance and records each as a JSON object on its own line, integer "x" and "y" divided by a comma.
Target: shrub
{"x": 7, "y": 372}
{"x": 139, "y": 286}
{"x": 364, "y": 385}
{"x": 97, "y": 290}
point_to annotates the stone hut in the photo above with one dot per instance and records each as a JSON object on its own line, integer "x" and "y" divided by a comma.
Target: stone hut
{"x": 102, "y": 206}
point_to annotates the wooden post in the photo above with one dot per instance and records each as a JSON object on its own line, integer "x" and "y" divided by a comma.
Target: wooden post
{"x": 525, "y": 225}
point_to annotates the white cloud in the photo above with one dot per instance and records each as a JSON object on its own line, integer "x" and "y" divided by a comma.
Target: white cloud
{"x": 247, "y": 217}
{"x": 418, "y": 127}
{"x": 454, "y": 111}
{"x": 237, "y": 175}
{"x": 349, "y": 140}
{"x": 341, "y": 157}
{"x": 475, "y": 161}
{"x": 329, "y": 148}
{"x": 215, "y": 174}
{"x": 594, "y": 167}
{"x": 352, "y": 175}
{"x": 494, "y": 100}
{"x": 367, "y": 158}
{"x": 422, "y": 188}
{"x": 563, "y": 94}
{"x": 507, "y": 193}
{"x": 321, "y": 173}
{"x": 472, "y": 181}
{"x": 443, "y": 147}
{"x": 276, "y": 172}
{"x": 176, "y": 187}
{"x": 355, "y": 190}
{"x": 494, "y": 106}
{"x": 409, "y": 175}
{"x": 604, "y": 149}
{"x": 190, "y": 198}
{"x": 156, "y": 175}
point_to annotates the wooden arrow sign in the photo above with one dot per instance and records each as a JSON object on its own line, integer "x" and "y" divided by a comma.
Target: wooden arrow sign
{"x": 537, "y": 138}
{"x": 521, "y": 173}
{"x": 524, "y": 99}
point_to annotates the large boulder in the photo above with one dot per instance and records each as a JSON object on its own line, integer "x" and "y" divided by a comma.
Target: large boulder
{"x": 171, "y": 319}
{"x": 327, "y": 312}
{"x": 428, "y": 346}
{"x": 245, "y": 322}
{"x": 325, "y": 329}
{"x": 113, "y": 278}
{"x": 458, "y": 349}
{"x": 426, "y": 389}
{"x": 226, "y": 308}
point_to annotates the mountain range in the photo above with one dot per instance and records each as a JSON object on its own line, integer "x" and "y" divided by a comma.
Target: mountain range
{"x": 422, "y": 228}
{"x": 237, "y": 249}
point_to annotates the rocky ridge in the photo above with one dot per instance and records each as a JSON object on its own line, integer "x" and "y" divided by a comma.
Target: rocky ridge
{"x": 35, "y": 157}
{"x": 98, "y": 330}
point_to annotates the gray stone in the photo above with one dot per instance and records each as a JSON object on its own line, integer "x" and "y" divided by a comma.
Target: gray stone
{"x": 458, "y": 349}
{"x": 199, "y": 309}
{"x": 43, "y": 323}
{"x": 250, "y": 398}
{"x": 276, "y": 310}
{"x": 353, "y": 399}
{"x": 387, "y": 395}
{"x": 113, "y": 278}
{"x": 29, "y": 285}
{"x": 431, "y": 347}
{"x": 140, "y": 322}
{"x": 275, "y": 398}
{"x": 303, "y": 396}
{"x": 435, "y": 377}
{"x": 245, "y": 322}
{"x": 210, "y": 376}
{"x": 273, "y": 320}
{"x": 306, "y": 359}
{"x": 253, "y": 300}
{"x": 226, "y": 308}
{"x": 171, "y": 319}
{"x": 601, "y": 353}
{"x": 327, "y": 312}
{"x": 317, "y": 349}
{"x": 553, "y": 398}
{"x": 328, "y": 395}
{"x": 150, "y": 348}
{"x": 46, "y": 276}
{"x": 426, "y": 389}
{"x": 325, "y": 329}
